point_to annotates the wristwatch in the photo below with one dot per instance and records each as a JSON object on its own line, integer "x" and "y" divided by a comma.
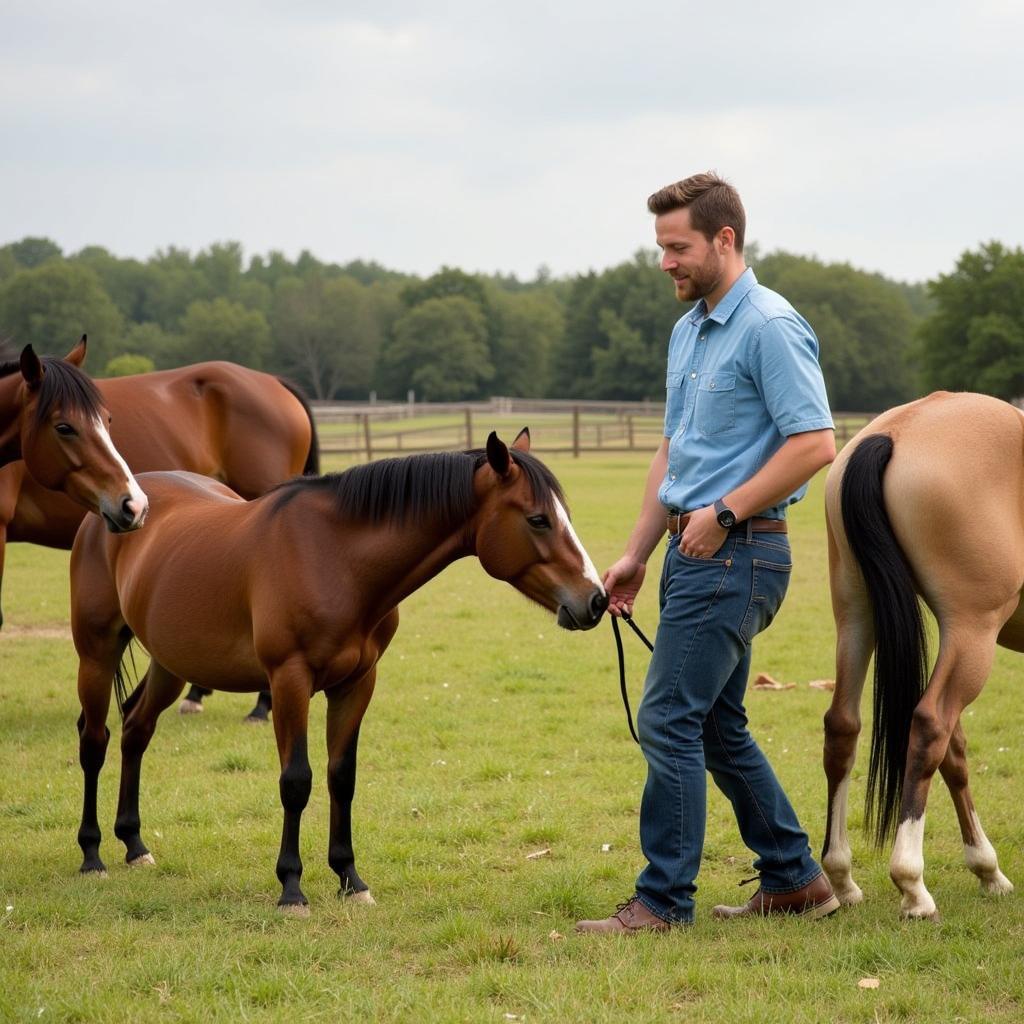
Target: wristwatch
{"x": 726, "y": 516}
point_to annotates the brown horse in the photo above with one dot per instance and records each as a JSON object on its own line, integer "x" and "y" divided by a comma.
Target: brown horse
{"x": 301, "y": 587}
{"x": 249, "y": 429}
{"x": 926, "y": 500}
{"x": 53, "y": 418}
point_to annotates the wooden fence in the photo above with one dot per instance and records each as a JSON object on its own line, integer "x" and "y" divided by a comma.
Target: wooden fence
{"x": 365, "y": 430}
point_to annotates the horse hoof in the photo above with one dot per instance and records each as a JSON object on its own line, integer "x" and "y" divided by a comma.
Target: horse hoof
{"x": 293, "y": 909}
{"x": 142, "y": 860}
{"x": 999, "y": 885}
{"x": 255, "y": 720}
{"x": 93, "y": 872}
{"x": 365, "y": 897}
{"x": 850, "y": 896}
{"x": 189, "y": 707}
{"x": 921, "y": 915}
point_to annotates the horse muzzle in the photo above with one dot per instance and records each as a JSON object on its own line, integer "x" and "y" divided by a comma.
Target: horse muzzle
{"x": 585, "y": 617}
{"x": 127, "y": 515}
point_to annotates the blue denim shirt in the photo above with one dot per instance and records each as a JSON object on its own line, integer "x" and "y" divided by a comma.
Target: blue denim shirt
{"x": 739, "y": 382}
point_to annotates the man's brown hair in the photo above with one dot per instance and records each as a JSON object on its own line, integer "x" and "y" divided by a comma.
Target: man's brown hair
{"x": 713, "y": 204}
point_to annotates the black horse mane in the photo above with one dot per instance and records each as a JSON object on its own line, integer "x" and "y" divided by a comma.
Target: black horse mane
{"x": 63, "y": 386}
{"x": 438, "y": 485}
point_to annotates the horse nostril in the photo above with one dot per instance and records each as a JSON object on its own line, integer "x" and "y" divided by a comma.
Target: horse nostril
{"x": 598, "y": 604}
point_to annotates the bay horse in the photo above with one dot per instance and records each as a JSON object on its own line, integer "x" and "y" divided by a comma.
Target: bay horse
{"x": 249, "y": 429}
{"x": 300, "y": 588}
{"x": 54, "y": 419}
{"x": 926, "y": 501}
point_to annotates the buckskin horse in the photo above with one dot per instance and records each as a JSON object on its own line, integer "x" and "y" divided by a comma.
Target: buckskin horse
{"x": 53, "y": 418}
{"x": 300, "y": 588}
{"x": 249, "y": 429}
{"x": 925, "y": 501}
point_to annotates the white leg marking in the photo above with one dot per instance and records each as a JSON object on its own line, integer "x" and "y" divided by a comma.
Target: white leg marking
{"x": 361, "y": 897}
{"x": 838, "y": 860}
{"x": 906, "y": 869}
{"x": 144, "y": 860}
{"x": 981, "y": 859}
{"x": 589, "y": 570}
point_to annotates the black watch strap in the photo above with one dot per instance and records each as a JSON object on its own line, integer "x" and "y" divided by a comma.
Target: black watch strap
{"x": 725, "y": 515}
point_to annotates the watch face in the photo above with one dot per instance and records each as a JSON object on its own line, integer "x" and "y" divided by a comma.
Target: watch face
{"x": 726, "y": 519}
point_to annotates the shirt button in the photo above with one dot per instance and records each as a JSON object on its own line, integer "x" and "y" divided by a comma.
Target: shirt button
{"x": 712, "y": 385}
{"x": 701, "y": 337}
{"x": 693, "y": 376}
{"x": 673, "y": 476}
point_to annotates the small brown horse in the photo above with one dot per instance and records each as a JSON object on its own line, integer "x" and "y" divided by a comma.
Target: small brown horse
{"x": 249, "y": 429}
{"x": 926, "y": 500}
{"x": 53, "y": 418}
{"x": 301, "y": 587}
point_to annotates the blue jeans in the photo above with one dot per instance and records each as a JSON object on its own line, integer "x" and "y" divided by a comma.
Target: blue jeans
{"x": 692, "y": 718}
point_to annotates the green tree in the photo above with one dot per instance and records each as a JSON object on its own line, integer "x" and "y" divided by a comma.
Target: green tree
{"x": 439, "y": 349}
{"x": 864, "y": 324}
{"x": 528, "y": 326}
{"x": 53, "y": 305}
{"x": 220, "y": 329}
{"x": 327, "y": 334}
{"x": 643, "y": 309}
{"x": 128, "y": 364}
{"x": 974, "y": 341}
{"x": 33, "y": 252}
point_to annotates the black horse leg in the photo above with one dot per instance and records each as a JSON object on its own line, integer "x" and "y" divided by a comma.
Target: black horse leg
{"x": 193, "y": 702}
{"x": 342, "y": 782}
{"x": 344, "y": 714}
{"x": 261, "y": 712}
{"x": 92, "y": 752}
{"x": 157, "y": 691}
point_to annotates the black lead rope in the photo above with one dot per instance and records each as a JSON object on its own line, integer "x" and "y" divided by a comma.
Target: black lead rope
{"x": 622, "y": 663}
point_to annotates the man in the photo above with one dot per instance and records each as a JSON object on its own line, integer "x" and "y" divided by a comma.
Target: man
{"x": 747, "y": 424}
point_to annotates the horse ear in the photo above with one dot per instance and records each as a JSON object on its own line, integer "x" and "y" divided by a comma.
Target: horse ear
{"x": 522, "y": 441}
{"x": 497, "y": 455}
{"x": 77, "y": 354}
{"x": 31, "y": 367}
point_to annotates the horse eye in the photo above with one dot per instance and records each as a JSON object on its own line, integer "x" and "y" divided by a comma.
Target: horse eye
{"x": 66, "y": 430}
{"x": 539, "y": 522}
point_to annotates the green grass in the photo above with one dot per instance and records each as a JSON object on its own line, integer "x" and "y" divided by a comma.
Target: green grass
{"x": 492, "y": 734}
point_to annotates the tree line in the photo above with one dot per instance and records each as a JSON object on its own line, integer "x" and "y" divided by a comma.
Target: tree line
{"x": 344, "y": 331}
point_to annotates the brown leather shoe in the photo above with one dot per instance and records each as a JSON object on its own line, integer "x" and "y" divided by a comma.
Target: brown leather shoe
{"x": 814, "y": 900}
{"x": 629, "y": 917}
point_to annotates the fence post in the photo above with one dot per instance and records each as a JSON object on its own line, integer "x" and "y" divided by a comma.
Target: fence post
{"x": 469, "y": 427}
{"x": 629, "y": 432}
{"x": 575, "y": 431}
{"x": 366, "y": 435}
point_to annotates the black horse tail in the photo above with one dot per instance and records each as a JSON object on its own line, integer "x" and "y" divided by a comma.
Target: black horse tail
{"x": 901, "y": 645}
{"x": 312, "y": 466}
{"x": 127, "y": 689}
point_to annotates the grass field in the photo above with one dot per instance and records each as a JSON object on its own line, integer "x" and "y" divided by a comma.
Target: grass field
{"x": 492, "y": 735}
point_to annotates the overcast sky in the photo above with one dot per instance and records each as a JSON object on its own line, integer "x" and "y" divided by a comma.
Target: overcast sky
{"x": 500, "y": 137}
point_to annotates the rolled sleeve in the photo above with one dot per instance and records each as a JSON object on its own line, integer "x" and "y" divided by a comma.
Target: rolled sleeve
{"x": 787, "y": 374}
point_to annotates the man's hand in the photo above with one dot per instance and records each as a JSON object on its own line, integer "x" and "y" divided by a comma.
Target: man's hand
{"x": 622, "y": 581}
{"x": 702, "y": 536}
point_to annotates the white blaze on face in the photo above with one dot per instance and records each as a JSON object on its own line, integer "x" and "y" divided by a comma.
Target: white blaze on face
{"x": 589, "y": 571}
{"x": 138, "y": 496}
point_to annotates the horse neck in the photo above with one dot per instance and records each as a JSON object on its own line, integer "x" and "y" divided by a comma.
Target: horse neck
{"x": 11, "y": 412}
{"x": 415, "y": 554}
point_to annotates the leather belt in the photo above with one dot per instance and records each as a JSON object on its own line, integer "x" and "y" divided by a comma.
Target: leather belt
{"x": 757, "y": 524}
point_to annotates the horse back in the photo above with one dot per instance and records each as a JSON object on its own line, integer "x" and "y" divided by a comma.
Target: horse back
{"x": 219, "y": 419}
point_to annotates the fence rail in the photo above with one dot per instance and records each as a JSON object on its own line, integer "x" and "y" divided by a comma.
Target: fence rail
{"x": 369, "y": 430}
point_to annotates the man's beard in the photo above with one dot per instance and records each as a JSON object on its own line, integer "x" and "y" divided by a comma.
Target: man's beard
{"x": 701, "y": 282}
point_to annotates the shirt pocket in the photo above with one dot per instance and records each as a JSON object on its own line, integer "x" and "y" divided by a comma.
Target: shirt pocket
{"x": 716, "y": 402}
{"x": 673, "y": 380}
